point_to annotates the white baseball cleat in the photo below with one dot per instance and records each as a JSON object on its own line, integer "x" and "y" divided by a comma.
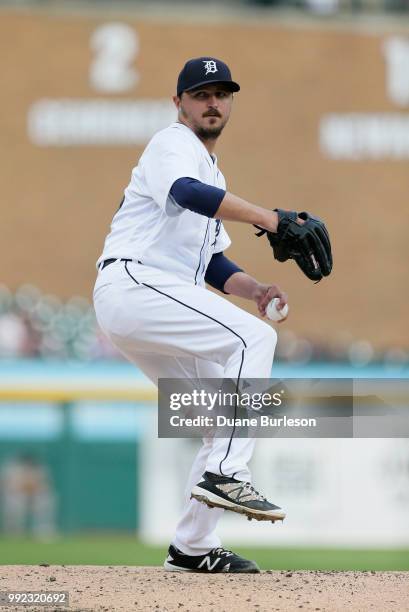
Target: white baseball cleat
{"x": 236, "y": 495}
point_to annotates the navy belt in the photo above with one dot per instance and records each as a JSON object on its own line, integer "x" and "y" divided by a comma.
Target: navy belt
{"x": 107, "y": 262}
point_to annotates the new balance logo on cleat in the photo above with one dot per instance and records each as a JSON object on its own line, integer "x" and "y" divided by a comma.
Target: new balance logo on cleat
{"x": 217, "y": 560}
{"x": 237, "y": 492}
{"x": 236, "y": 495}
{"x": 208, "y": 563}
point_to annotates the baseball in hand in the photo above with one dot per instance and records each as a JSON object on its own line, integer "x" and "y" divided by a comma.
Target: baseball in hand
{"x": 273, "y": 313}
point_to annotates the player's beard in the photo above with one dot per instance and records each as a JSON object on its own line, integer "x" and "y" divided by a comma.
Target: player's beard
{"x": 204, "y": 133}
{"x": 210, "y": 133}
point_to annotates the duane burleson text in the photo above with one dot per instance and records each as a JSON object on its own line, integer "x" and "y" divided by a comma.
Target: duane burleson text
{"x": 262, "y": 421}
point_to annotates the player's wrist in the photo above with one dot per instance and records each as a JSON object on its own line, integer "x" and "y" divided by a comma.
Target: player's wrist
{"x": 270, "y": 221}
{"x": 258, "y": 290}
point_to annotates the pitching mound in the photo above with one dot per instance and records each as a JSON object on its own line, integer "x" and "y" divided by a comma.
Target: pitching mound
{"x": 150, "y": 588}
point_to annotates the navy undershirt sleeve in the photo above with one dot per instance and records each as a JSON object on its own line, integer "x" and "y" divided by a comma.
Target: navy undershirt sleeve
{"x": 220, "y": 268}
{"x": 197, "y": 196}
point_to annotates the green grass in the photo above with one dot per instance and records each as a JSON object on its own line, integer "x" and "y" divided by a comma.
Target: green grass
{"x": 128, "y": 550}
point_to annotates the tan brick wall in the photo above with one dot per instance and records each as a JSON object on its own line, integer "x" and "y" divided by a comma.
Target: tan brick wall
{"x": 57, "y": 203}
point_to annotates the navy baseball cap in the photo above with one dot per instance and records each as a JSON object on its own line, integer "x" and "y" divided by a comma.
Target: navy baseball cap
{"x": 202, "y": 71}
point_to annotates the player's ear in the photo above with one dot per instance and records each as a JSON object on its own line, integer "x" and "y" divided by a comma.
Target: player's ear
{"x": 176, "y": 101}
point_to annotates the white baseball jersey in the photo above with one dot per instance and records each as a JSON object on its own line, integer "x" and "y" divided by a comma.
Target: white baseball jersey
{"x": 150, "y": 226}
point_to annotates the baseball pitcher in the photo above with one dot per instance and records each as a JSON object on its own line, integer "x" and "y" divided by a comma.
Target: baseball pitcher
{"x": 167, "y": 241}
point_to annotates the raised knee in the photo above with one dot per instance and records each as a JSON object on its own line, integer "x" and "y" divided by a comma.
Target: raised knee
{"x": 271, "y": 335}
{"x": 266, "y": 335}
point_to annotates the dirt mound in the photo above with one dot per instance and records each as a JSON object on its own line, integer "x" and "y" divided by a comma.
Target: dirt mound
{"x": 107, "y": 589}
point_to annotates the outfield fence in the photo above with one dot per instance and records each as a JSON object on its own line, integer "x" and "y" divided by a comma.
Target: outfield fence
{"x": 95, "y": 430}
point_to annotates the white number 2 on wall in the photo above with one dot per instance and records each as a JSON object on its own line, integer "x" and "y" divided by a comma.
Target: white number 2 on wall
{"x": 115, "y": 46}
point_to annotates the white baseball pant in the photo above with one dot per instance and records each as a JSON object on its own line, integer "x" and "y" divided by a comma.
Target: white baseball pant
{"x": 171, "y": 329}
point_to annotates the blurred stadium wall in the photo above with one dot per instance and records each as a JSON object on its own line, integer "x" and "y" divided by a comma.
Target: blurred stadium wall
{"x": 320, "y": 124}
